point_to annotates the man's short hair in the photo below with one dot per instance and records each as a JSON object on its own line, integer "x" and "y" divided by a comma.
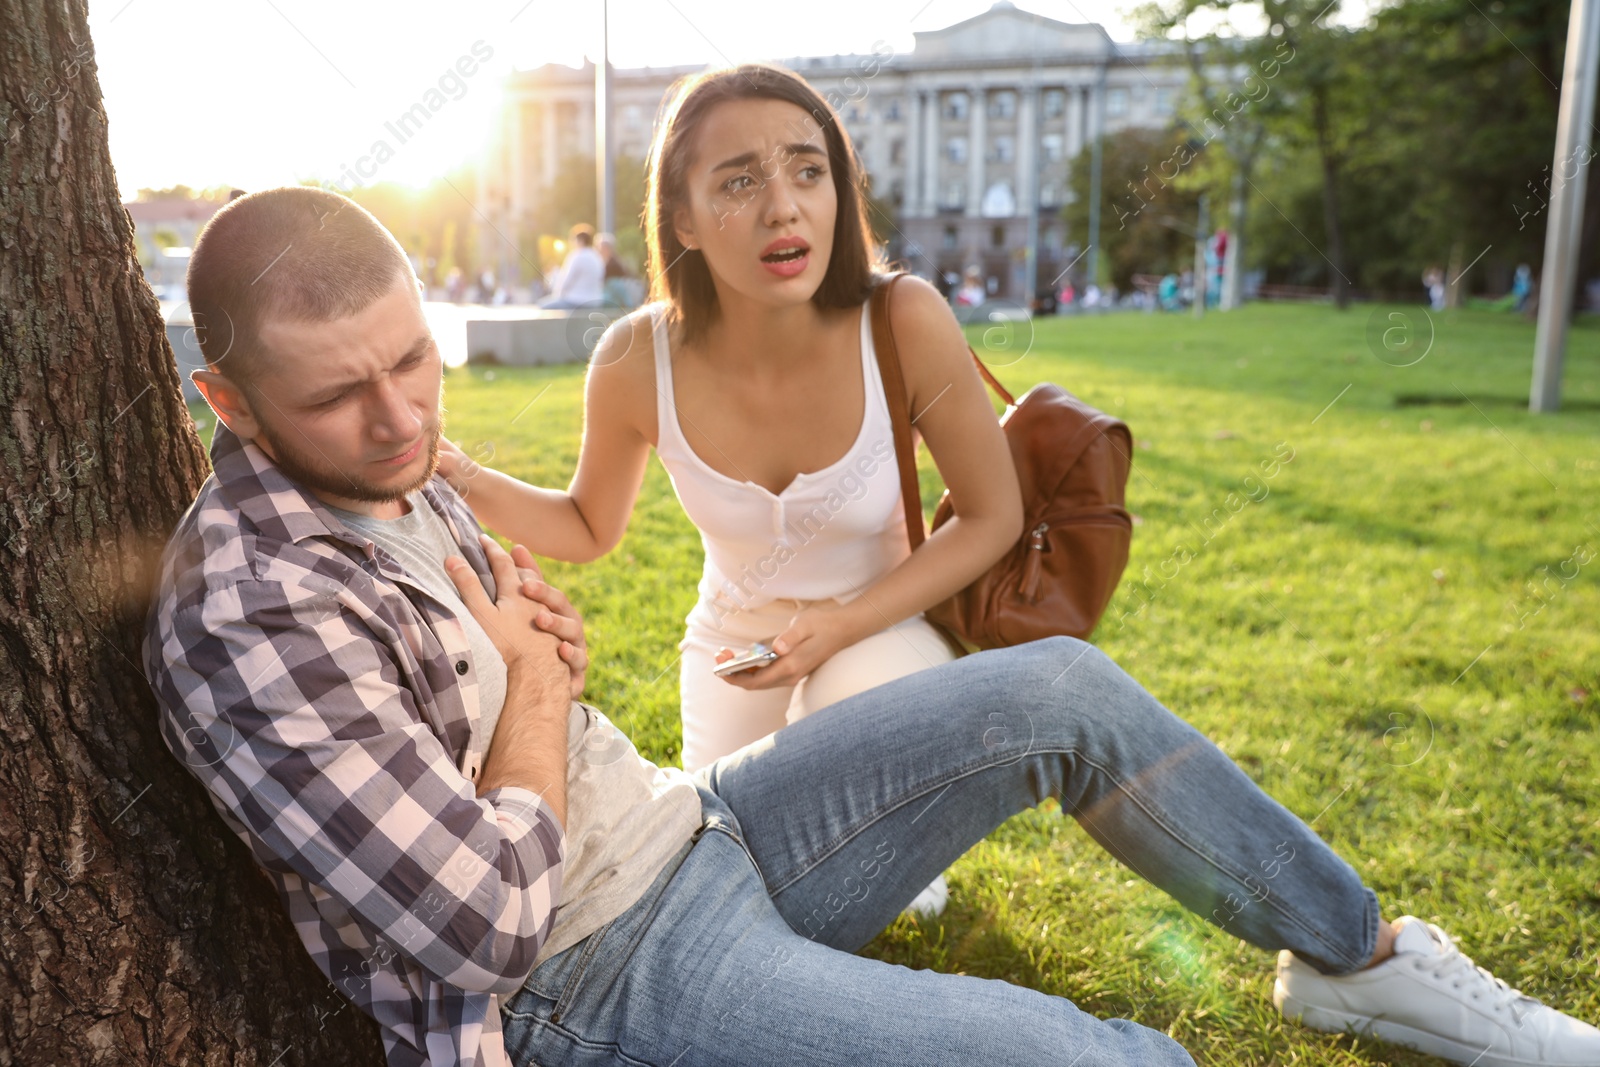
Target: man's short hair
{"x": 298, "y": 253}
{"x": 582, "y": 234}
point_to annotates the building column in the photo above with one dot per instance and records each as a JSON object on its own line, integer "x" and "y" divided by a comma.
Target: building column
{"x": 583, "y": 107}
{"x": 549, "y": 148}
{"x": 517, "y": 192}
{"x": 916, "y": 100}
{"x": 517, "y": 176}
{"x": 1074, "y": 116}
{"x": 1027, "y": 148}
{"x": 877, "y": 161}
{"x": 977, "y": 148}
{"x": 930, "y": 156}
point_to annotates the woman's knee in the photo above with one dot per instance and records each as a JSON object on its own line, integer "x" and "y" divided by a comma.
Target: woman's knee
{"x": 883, "y": 657}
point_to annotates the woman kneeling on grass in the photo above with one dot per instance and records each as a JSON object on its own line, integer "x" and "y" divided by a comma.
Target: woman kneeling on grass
{"x": 754, "y": 376}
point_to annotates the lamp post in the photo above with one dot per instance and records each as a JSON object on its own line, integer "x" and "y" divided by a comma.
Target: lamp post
{"x": 604, "y": 157}
{"x": 1094, "y": 174}
{"x": 1564, "y": 230}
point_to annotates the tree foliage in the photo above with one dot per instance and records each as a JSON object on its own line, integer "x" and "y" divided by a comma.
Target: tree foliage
{"x": 1147, "y": 209}
{"x": 1423, "y": 137}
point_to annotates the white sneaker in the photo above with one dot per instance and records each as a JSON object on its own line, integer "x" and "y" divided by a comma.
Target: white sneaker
{"x": 930, "y": 903}
{"x": 1430, "y": 997}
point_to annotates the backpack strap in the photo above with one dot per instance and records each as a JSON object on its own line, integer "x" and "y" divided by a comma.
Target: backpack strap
{"x": 994, "y": 383}
{"x": 894, "y": 390}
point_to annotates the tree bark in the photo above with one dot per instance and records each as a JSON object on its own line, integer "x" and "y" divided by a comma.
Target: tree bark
{"x": 140, "y": 930}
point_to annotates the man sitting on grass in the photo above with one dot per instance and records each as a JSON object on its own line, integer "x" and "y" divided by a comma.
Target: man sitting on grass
{"x": 383, "y": 705}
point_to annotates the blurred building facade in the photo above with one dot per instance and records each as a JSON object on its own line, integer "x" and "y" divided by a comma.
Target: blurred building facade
{"x": 165, "y": 228}
{"x": 959, "y": 136}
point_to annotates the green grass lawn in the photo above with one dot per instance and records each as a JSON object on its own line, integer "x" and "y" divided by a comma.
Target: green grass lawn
{"x": 1395, "y": 635}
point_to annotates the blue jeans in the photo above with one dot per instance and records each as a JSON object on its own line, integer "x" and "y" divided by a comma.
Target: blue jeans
{"x": 815, "y": 838}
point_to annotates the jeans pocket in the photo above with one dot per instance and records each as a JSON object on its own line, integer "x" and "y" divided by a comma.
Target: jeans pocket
{"x": 718, "y": 824}
{"x": 553, "y": 979}
{"x": 606, "y": 951}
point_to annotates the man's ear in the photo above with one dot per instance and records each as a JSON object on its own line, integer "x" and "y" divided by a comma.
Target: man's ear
{"x": 229, "y": 402}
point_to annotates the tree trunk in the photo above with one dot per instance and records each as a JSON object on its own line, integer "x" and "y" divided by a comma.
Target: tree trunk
{"x": 1330, "y": 196}
{"x": 1233, "y": 258}
{"x": 1453, "y": 280}
{"x": 139, "y": 931}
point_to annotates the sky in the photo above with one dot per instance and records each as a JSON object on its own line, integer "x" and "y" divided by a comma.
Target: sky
{"x": 258, "y": 93}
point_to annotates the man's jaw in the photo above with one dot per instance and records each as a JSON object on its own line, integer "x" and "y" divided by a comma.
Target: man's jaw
{"x": 343, "y": 488}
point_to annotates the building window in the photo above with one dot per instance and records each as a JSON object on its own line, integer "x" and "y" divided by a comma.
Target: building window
{"x": 1005, "y": 150}
{"x": 1049, "y": 195}
{"x": 1166, "y": 101}
{"x": 999, "y": 202}
{"x": 897, "y": 191}
{"x": 1052, "y": 239}
{"x": 997, "y": 236}
{"x": 1053, "y": 147}
{"x": 892, "y": 111}
{"x": 1116, "y": 101}
{"x": 951, "y": 238}
{"x": 853, "y": 114}
{"x": 897, "y": 149}
{"x": 955, "y": 149}
{"x": 1003, "y": 104}
{"x": 955, "y": 196}
{"x": 632, "y": 116}
{"x": 1055, "y": 103}
{"x": 955, "y": 106}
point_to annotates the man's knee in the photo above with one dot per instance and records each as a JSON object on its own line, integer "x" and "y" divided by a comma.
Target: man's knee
{"x": 1076, "y": 678}
{"x": 1059, "y": 661}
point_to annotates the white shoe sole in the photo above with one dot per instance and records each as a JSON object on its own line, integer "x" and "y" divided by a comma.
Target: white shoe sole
{"x": 930, "y": 902}
{"x": 1331, "y": 1020}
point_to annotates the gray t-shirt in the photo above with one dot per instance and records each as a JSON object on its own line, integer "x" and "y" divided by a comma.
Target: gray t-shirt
{"x": 421, "y": 542}
{"x": 626, "y": 817}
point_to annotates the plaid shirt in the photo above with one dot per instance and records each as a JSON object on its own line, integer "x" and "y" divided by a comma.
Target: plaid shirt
{"x": 329, "y": 705}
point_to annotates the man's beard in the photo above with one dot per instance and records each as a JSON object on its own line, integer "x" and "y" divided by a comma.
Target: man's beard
{"x": 313, "y": 472}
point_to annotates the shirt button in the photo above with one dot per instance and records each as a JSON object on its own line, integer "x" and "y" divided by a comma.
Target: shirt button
{"x": 461, "y": 666}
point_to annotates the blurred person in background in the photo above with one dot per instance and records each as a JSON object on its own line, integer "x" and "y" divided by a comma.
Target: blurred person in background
{"x": 618, "y": 289}
{"x": 581, "y": 282}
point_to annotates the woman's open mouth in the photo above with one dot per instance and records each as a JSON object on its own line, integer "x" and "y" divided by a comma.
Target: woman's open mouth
{"x": 788, "y": 258}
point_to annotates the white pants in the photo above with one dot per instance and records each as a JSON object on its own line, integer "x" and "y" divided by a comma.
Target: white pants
{"x": 719, "y": 717}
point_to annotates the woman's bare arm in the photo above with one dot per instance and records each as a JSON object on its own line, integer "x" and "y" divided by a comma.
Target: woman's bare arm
{"x": 950, "y": 407}
{"x": 585, "y": 521}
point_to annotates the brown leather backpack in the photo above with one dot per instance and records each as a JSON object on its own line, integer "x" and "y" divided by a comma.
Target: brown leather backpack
{"x": 1072, "y": 461}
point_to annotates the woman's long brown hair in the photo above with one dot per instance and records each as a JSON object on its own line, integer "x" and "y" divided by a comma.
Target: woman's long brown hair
{"x": 680, "y": 276}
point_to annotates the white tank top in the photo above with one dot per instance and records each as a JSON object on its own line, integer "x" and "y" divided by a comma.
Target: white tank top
{"x": 829, "y": 534}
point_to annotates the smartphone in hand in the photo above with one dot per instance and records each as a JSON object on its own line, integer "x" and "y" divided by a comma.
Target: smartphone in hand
{"x": 757, "y": 655}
